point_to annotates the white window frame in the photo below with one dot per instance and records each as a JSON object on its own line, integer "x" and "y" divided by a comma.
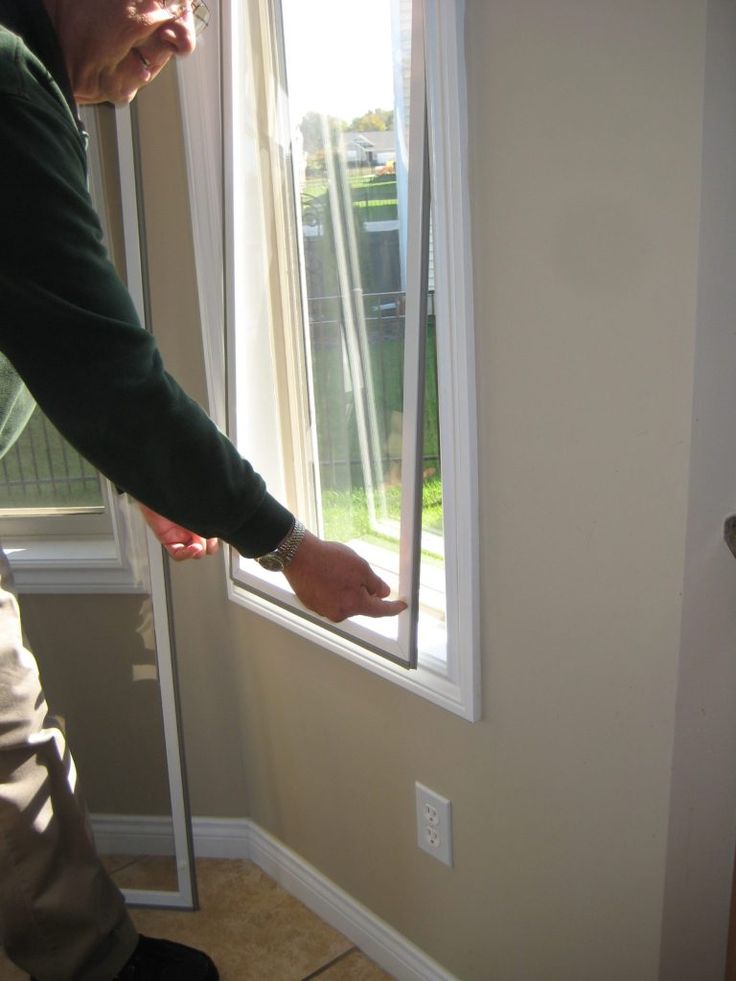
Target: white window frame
{"x": 58, "y": 554}
{"x": 454, "y": 686}
{"x": 80, "y": 550}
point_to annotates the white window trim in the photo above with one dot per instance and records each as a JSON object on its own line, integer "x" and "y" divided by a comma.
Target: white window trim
{"x": 459, "y": 689}
{"x": 112, "y": 561}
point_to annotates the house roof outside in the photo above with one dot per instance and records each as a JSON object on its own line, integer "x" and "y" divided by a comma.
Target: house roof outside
{"x": 374, "y": 141}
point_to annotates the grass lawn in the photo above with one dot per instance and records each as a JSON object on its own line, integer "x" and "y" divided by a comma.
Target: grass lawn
{"x": 346, "y": 512}
{"x": 367, "y": 192}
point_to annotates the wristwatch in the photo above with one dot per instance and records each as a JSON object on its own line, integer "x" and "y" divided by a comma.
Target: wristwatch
{"x": 281, "y": 556}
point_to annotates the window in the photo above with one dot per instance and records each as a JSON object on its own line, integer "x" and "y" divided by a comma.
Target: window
{"x": 41, "y": 472}
{"x": 350, "y": 357}
{"x": 62, "y": 525}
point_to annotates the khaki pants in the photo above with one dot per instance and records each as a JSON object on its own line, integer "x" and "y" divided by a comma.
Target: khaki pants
{"x": 61, "y": 917}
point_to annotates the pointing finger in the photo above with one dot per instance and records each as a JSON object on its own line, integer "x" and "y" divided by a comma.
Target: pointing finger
{"x": 375, "y": 607}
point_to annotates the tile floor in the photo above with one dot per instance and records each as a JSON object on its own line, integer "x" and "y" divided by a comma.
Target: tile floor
{"x": 252, "y": 928}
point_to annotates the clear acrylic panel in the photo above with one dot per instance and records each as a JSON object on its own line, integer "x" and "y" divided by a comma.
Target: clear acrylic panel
{"x": 348, "y": 70}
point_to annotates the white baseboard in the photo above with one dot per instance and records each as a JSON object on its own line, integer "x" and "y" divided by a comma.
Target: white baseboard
{"x": 131, "y": 834}
{"x": 243, "y": 839}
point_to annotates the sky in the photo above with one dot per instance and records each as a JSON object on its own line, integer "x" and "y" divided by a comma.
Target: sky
{"x": 338, "y": 56}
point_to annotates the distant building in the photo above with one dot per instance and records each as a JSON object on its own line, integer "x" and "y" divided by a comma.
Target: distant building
{"x": 370, "y": 149}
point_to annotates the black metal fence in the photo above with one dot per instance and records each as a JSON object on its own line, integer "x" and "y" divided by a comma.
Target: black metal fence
{"x": 337, "y": 430}
{"x": 41, "y": 470}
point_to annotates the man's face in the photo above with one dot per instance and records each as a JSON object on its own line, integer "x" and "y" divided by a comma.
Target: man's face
{"x": 113, "y": 48}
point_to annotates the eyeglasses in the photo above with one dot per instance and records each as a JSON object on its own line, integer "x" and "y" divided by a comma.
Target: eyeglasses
{"x": 180, "y": 8}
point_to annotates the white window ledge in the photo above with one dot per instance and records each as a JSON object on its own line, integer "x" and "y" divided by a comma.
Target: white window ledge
{"x": 453, "y": 694}
{"x": 84, "y": 565}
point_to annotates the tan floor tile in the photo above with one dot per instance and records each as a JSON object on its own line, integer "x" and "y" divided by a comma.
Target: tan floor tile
{"x": 116, "y": 863}
{"x": 252, "y": 929}
{"x": 355, "y": 967}
{"x": 157, "y": 873}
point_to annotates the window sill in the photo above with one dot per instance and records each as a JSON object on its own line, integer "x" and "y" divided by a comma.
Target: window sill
{"x": 430, "y": 680}
{"x": 71, "y": 565}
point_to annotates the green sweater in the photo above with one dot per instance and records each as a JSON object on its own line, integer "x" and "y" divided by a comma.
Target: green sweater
{"x": 69, "y": 328}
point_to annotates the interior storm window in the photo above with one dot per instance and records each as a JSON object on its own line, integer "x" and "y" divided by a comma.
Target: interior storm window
{"x": 349, "y": 347}
{"x": 347, "y": 354}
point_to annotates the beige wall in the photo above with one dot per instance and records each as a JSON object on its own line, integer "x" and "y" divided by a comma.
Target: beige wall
{"x": 97, "y": 660}
{"x": 585, "y": 159}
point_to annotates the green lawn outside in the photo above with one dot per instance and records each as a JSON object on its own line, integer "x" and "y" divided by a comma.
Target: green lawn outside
{"x": 374, "y": 198}
{"x": 343, "y": 497}
{"x": 345, "y": 513}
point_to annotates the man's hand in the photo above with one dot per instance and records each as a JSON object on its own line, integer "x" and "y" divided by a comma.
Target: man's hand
{"x": 332, "y": 580}
{"x": 180, "y": 543}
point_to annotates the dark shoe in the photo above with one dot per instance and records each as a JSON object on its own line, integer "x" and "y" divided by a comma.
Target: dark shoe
{"x": 162, "y": 960}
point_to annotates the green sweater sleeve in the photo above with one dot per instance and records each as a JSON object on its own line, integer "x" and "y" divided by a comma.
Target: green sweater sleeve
{"x": 69, "y": 328}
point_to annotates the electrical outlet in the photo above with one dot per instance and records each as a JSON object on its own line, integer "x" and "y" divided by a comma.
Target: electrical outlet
{"x": 434, "y": 824}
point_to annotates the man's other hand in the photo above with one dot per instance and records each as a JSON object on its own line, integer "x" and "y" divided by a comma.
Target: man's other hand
{"x": 180, "y": 543}
{"x": 335, "y": 582}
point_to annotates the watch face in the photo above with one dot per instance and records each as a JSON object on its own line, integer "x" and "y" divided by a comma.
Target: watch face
{"x": 272, "y": 562}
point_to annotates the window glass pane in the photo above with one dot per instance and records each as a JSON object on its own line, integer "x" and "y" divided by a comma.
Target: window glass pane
{"x": 348, "y": 67}
{"x": 41, "y": 470}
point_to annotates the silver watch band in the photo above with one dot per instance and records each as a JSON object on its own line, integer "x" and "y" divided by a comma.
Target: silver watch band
{"x": 278, "y": 559}
{"x": 287, "y": 548}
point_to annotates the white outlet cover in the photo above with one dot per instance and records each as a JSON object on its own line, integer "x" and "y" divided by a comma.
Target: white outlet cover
{"x": 434, "y": 824}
